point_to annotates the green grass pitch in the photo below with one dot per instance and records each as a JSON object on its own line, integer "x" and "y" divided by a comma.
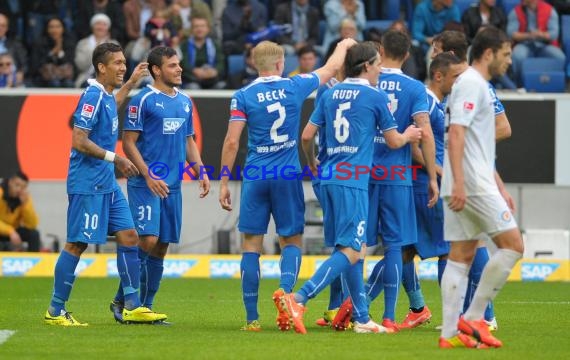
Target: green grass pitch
{"x": 534, "y": 319}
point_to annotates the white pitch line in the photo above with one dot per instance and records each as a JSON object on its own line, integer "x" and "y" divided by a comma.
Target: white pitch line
{"x": 535, "y": 302}
{"x": 5, "y": 335}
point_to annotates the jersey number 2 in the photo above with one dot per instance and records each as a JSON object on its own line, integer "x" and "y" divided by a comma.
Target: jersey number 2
{"x": 277, "y": 123}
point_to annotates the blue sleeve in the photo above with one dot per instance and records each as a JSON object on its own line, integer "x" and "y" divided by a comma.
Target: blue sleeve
{"x": 499, "y": 108}
{"x": 190, "y": 126}
{"x": 237, "y": 107}
{"x": 317, "y": 117}
{"x": 512, "y": 23}
{"x": 420, "y": 101}
{"x": 305, "y": 84}
{"x": 134, "y": 120}
{"x": 86, "y": 114}
{"x": 553, "y": 27}
{"x": 385, "y": 120}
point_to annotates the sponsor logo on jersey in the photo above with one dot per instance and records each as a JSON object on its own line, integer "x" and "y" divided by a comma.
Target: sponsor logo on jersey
{"x": 171, "y": 125}
{"x": 233, "y": 104}
{"x": 177, "y": 268}
{"x": 87, "y": 110}
{"x": 133, "y": 112}
{"x": 187, "y": 107}
{"x": 537, "y": 271}
{"x": 18, "y": 266}
{"x": 115, "y": 124}
{"x": 224, "y": 268}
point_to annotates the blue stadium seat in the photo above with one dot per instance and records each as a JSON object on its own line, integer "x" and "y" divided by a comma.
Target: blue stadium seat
{"x": 464, "y": 4}
{"x": 508, "y": 5}
{"x": 236, "y": 64}
{"x": 291, "y": 63}
{"x": 543, "y": 75}
{"x": 322, "y": 29}
{"x": 390, "y": 9}
{"x": 565, "y": 31}
{"x": 379, "y": 24}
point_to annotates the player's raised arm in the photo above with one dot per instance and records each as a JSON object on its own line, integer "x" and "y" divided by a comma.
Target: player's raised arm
{"x": 229, "y": 153}
{"x": 335, "y": 61}
{"x": 140, "y": 71}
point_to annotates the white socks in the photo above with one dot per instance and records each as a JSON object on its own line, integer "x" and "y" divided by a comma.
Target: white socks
{"x": 492, "y": 280}
{"x": 453, "y": 288}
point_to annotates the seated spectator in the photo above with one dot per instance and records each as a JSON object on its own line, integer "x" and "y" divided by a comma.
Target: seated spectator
{"x": 52, "y": 57}
{"x": 248, "y": 74}
{"x": 100, "y": 25}
{"x": 347, "y": 30}
{"x": 8, "y": 72}
{"x": 484, "y": 13}
{"x": 533, "y": 26}
{"x": 14, "y": 47}
{"x": 430, "y": 17}
{"x": 305, "y": 22}
{"x": 238, "y": 20}
{"x": 307, "y": 57}
{"x": 38, "y": 12}
{"x": 337, "y": 10}
{"x": 18, "y": 218}
{"x": 181, "y": 11}
{"x": 160, "y": 30}
{"x": 202, "y": 59}
{"x": 415, "y": 65}
{"x": 112, "y": 8}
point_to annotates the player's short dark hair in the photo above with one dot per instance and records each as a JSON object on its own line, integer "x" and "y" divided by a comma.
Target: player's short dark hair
{"x": 489, "y": 38}
{"x": 442, "y": 62}
{"x": 305, "y": 50}
{"x": 155, "y": 57}
{"x": 357, "y": 56}
{"x": 455, "y": 41}
{"x": 396, "y": 44}
{"x": 102, "y": 52}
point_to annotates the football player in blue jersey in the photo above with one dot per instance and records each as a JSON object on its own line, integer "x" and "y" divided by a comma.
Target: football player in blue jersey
{"x": 97, "y": 206}
{"x": 158, "y": 139}
{"x": 443, "y": 71}
{"x": 456, "y": 42}
{"x": 392, "y": 213}
{"x": 351, "y": 112}
{"x": 270, "y": 107}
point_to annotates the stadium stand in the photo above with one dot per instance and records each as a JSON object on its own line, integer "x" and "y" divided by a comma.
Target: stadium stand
{"x": 543, "y": 75}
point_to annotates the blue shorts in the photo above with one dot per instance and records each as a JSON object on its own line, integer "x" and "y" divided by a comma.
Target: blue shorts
{"x": 284, "y": 199}
{"x": 155, "y": 216}
{"x": 392, "y": 215}
{"x": 430, "y": 228}
{"x": 345, "y": 212}
{"x": 90, "y": 218}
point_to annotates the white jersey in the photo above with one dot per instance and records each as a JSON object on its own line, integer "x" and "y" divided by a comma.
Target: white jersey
{"x": 471, "y": 105}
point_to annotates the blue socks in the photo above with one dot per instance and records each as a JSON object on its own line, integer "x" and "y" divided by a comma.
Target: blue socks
{"x": 154, "y": 269}
{"x": 143, "y": 256}
{"x": 356, "y": 291}
{"x": 325, "y": 274}
{"x": 479, "y": 261}
{"x": 412, "y": 286}
{"x": 249, "y": 267}
{"x": 128, "y": 265}
{"x": 440, "y": 268}
{"x": 289, "y": 264}
{"x": 64, "y": 276}
{"x": 375, "y": 283}
{"x": 392, "y": 279}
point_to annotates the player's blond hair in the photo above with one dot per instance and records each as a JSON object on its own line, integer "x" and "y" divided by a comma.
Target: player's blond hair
{"x": 266, "y": 54}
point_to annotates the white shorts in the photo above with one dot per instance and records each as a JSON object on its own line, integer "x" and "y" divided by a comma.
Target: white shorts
{"x": 488, "y": 214}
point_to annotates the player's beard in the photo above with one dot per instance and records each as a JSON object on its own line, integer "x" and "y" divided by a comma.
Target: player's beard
{"x": 172, "y": 83}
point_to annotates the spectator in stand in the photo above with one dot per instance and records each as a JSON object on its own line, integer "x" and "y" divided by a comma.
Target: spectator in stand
{"x": 14, "y": 11}
{"x": 112, "y": 8}
{"x": 160, "y": 30}
{"x": 304, "y": 19}
{"x": 8, "y": 72}
{"x": 338, "y": 10}
{"x": 14, "y": 47}
{"x": 347, "y": 30}
{"x": 52, "y": 57}
{"x": 533, "y": 26}
{"x": 307, "y": 57}
{"x": 38, "y": 12}
{"x": 18, "y": 218}
{"x": 248, "y": 74}
{"x": 484, "y": 13}
{"x": 181, "y": 11}
{"x": 100, "y": 26}
{"x": 430, "y": 17}
{"x": 239, "y": 19}
{"x": 202, "y": 58}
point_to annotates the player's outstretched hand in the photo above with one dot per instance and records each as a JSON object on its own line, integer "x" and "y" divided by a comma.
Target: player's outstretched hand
{"x": 458, "y": 197}
{"x": 348, "y": 43}
{"x": 413, "y": 133}
{"x": 204, "y": 186}
{"x": 140, "y": 71}
{"x": 158, "y": 187}
{"x": 125, "y": 166}
{"x": 433, "y": 192}
{"x": 225, "y": 197}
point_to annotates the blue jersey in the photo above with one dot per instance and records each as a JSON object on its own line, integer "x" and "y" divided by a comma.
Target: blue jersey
{"x": 271, "y": 107}
{"x": 320, "y": 138}
{"x": 97, "y": 113}
{"x": 164, "y": 123}
{"x": 351, "y": 112}
{"x": 437, "y": 121}
{"x": 408, "y": 98}
{"x": 499, "y": 108}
